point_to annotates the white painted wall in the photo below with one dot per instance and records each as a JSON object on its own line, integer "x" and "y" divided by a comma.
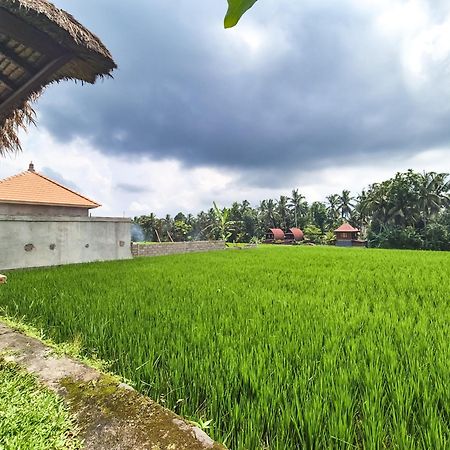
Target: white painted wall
{"x": 75, "y": 240}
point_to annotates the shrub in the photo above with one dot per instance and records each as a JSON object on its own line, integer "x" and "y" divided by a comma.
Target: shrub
{"x": 313, "y": 234}
{"x": 396, "y": 237}
{"x": 330, "y": 238}
{"x": 436, "y": 237}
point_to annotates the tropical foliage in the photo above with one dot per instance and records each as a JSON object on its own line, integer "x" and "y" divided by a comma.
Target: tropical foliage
{"x": 407, "y": 211}
{"x": 410, "y": 210}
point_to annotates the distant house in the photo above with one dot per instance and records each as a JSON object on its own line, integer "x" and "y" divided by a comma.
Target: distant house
{"x": 293, "y": 235}
{"x": 33, "y": 194}
{"x": 347, "y": 236}
{"x": 274, "y": 235}
{"x": 43, "y": 223}
{"x": 278, "y": 236}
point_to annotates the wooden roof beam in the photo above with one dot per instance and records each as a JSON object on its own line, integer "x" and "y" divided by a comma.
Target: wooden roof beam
{"x": 17, "y": 59}
{"x": 27, "y": 35}
{"x": 10, "y": 84}
{"x": 34, "y": 83}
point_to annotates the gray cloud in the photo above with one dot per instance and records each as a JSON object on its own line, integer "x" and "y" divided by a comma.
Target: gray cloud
{"x": 131, "y": 188}
{"x": 54, "y": 175}
{"x": 333, "y": 90}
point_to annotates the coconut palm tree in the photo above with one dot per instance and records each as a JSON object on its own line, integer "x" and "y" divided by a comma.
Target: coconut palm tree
{"x": 345, "y": 204}
{"x": 272, "y": 219}
{"x": 333, "y": 209}
{"x": 299, "y": 207}
{"x": 283, "y": 211}
{"x": 360, "y": 213}
{"x": 433, "y": 194}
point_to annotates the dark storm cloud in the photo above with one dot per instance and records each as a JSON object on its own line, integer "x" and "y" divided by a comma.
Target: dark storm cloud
{"x": 330, "y": 91}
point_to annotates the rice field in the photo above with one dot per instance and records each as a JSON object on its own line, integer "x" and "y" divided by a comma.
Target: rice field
{"x": 269, "y": 348}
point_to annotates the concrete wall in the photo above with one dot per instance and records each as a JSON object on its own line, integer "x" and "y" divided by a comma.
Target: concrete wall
{"x": 17, "y": 209}
{"x": 138, "y": 249}
{"x": 47, "y": 241}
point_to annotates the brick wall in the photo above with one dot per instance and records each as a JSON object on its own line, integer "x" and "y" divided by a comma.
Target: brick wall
{"x": 175, "y": 247}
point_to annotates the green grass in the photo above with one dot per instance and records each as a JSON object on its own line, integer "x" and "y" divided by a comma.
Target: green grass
{"x": 281, "y": 347}
{"x": 31, "y": 417}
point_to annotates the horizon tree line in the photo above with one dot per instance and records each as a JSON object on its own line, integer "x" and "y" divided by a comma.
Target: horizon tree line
{"x": 410, "y": 210}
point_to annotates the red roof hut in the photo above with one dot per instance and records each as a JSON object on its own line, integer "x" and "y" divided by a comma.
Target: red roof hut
{"x": 347, "y": 236}
{"x": 274, "y": 234}
{"x": 294, "y": 235}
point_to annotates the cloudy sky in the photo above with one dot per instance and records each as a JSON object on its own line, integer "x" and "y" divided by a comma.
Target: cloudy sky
{"x": 315, "y": 94}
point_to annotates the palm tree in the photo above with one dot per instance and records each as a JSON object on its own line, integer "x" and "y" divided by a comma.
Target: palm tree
{"x": 433, "y": 194}
{"x": 298, "y": 206}
{"x": 345, "y": 204}
{"x": 283, "y": 211}
{"x": 333, "y": 209}
{"x": 360, "y": 213}
{"x": 271, "y": 213}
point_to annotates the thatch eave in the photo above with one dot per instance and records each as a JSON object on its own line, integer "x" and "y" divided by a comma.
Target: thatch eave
{"x": 74, "y": 53}
{"x": 91, "y": 59}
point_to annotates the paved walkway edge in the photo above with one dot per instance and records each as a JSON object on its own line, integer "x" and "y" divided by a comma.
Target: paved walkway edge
{"x": 110, "y": 415}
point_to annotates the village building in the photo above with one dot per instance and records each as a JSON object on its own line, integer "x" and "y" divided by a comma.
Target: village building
{"x": 278, "y": 236}
{"x": 33, "y": 194}
{"x": 347, "y": 236}
{"x": 43, "y": 223}
{"x": 294, "y": 235}
{"x": 274, "y": 235}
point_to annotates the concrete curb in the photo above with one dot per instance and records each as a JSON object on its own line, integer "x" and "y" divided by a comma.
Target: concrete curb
{"x": 110, "y": 415}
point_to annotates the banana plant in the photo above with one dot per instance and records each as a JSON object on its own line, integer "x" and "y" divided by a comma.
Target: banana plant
{"x": 236, "y": 9}
{"x": 222, "y": 226}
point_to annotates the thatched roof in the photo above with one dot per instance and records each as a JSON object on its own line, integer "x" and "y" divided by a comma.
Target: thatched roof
{"x": 41, "y": 44}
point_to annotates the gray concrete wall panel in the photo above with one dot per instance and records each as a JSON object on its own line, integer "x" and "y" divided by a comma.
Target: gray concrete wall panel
{"x": 38, "y": 241}
{"x": 17, "y": 209}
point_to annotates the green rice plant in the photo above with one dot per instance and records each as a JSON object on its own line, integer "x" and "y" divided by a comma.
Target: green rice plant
{"x": 273, "y": 348}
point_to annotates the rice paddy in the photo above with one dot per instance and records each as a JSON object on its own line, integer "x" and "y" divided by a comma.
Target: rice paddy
{"x": 269, "y": 348}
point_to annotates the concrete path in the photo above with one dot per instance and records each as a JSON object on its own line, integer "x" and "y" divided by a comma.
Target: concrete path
{"x": 110, "y": 415}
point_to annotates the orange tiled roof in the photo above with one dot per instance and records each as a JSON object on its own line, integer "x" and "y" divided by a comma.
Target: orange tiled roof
{"x": 347, "y": 228}
{"x": 32, "y": 188}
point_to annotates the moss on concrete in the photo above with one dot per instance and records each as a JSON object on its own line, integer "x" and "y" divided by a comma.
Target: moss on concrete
{"x": 108, "y": 413}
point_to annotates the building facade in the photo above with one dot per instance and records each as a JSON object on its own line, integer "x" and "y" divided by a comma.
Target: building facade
{"x": 43, "y": 223}
{"x": 347, "y": 236}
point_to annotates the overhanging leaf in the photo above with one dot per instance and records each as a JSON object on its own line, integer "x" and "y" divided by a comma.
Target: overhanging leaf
{"x": 236, "y": 8}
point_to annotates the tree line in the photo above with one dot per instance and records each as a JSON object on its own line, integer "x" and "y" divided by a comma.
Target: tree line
{"x": 410, "y": 210}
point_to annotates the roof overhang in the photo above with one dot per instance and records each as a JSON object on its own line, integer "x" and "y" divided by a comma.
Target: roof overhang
{"x": 41, "y": 44}
{"x": 65, "y": 205}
